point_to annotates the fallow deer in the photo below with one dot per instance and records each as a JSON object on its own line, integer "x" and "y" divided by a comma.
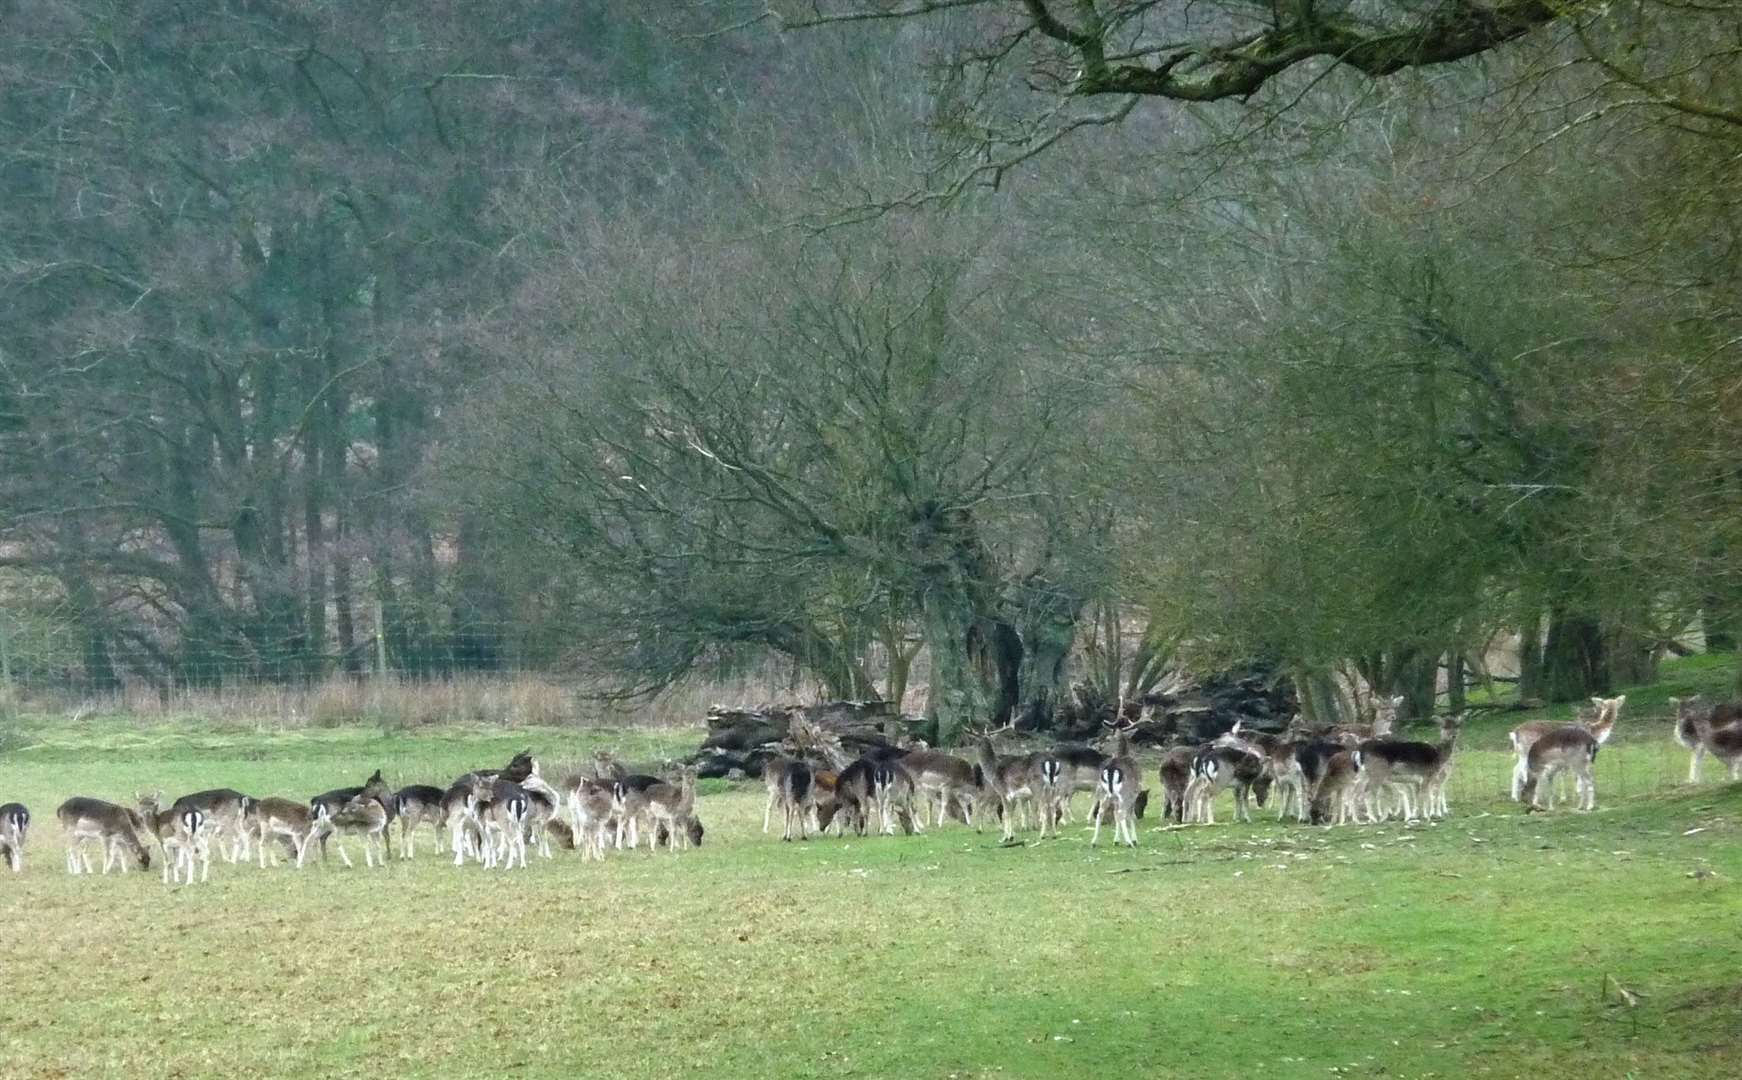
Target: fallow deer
{"x": 671, "y": 807}
{"x": 1220, "y": 767}
{"x": 944, "y": 777}
{"x": 181, "y": 833}
{"x": 14, "y": 827}
{"x": 291, "y": 823}
{"x": 1334, "y": 800}
{"x": 1525, "y": 735}
{"x": 364, "y": 815}
{"x": 226, "y": 815}
{"x": 1410, "y": 768}
{"x": 1723, "y": 743}
{"x": 1573, "y": 749}
{"x": 1006, "y": 782}
{"x": 114, "y": 827}
{"x": 332, "y": 802}
{"x": 797, "y": 796}
{"x": 1718, "y": 718}
{"x": 415, "y": 805}
{"x": 1121, "y": 784}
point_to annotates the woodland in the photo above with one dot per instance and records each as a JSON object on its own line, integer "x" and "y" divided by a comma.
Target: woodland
{"x": 1007, "y": 344}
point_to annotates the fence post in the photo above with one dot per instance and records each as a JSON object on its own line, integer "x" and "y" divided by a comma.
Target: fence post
{"x": 380, "y": 641}
{"x": 8, "y": 708}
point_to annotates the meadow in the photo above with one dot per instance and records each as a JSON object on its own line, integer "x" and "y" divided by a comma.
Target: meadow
{"x": 1493, "y": 943}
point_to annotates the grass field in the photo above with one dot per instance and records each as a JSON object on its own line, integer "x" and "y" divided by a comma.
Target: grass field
{"x": 1493, "y": 943}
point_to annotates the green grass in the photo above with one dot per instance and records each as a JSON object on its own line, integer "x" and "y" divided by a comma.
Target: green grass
{"x": 1489, "y": 944}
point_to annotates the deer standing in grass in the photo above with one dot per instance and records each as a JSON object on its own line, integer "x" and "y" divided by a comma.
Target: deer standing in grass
{"x": 671, "y": 807}
{"x": 1525, "y": 735}
{"x": 1415, "y": 770}
{"x": 1718, "y": 719}
{"x": 14, "y": 827}
{"x": 291, "y": 823}
{"x": 1716, "y": 730}
{"x": 797, "y": 796}
{"x": 1120, "y": 785}
{"x": 1571, "y": 748}
{"x": 181, "y": 833}
{"x": 118, "y": 829}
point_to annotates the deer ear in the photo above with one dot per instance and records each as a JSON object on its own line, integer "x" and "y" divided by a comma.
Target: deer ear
{"x": 1620, "y": 701}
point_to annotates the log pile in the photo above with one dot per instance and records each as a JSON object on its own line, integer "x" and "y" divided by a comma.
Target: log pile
{"x": 1193, "y": 711}
{"x": 740, "y": 740}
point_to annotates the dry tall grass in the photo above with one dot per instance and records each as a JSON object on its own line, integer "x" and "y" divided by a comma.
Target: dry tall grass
{"x": 509, "y": 700}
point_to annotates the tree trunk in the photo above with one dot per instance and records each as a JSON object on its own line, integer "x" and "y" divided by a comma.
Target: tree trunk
{"x": 1530, "y": 658}
{"x": 1456, "y": 699}
{"x": 1317, "y": 697}
{"x": 1575, "y": 658}
{"x": 961, "y": 693}
{"x": 1632, "y": 659}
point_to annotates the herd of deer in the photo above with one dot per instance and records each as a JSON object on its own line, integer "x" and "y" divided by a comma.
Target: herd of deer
{"x": 490, "y": 815}
{"x": 1331, "y": 777}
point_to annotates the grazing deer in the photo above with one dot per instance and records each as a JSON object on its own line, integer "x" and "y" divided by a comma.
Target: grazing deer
{"x": 1722, "y": 742}
{"x": 117, "y": 828}
{"x": 797, "y": 792}
{"x": 181, "y": 833}
{"x": 629, "y": 795}
{"x": 1335, "y": 792}
{"x": 334, "y": 801}
{"x": 671, "y": 808}
{"x": 823, "y": 800}
{"x": 893, "y": 792}
{"x": 415, "y": 805}
{"x": 880, "y": 788}
{"x": 14, "y": 826}
{"x": 226, "y": 813}
{"x": 290, "y": 822}
{"x": 1525, "y": 735}
{"x": 1311, "y": 756}
{"x": 854, "y": 797}
{"x": 1572, "y": 748}
{"x": 1410, "y": 768}
{"x": 364, "y": 814}
{"x": 1176, "y": 777}
{"x": 1718, "y": 718}
{"x": 1279, "y": 767}
{"x": 1219, "y": 767}
{"x": 945, "y": 777}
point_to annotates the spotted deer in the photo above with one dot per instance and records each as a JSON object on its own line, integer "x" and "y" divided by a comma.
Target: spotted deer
{"x": 1525, "y": 735}
{"x": 1722, "y": 742}
{"x": 14, "y": 827}
{"x": 1006, "y": 782}
{"x": 1718, "y": 719}
{"x": 671, "y": 807}
{"x": 1572, "y": 748}
{"x": 797, "y": 796}
{"x": 181, "y": 833}
{"x": 287, "y": 821}
{"x": 1121, "y": 784}
{"x": 226, "y": 813}
{"x": 119, "y": 830}
{"x": 416, "y": 805}
{"x": 1415, "y": 770}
